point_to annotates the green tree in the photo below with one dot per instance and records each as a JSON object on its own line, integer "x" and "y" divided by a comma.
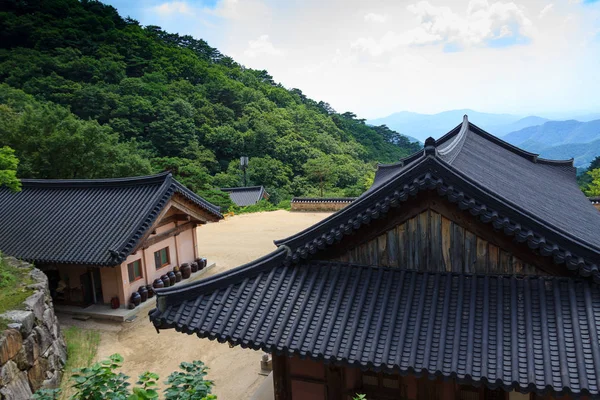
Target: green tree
{"x": 8, "y": 169}
{"x": 593, "y": 188}
{"x": 321, "y": 171}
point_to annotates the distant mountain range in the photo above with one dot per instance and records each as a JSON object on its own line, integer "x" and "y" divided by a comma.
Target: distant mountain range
{"x": 561, "y": 140}
{"x": 421, "y": 126}
{"x": 578, "y": 139}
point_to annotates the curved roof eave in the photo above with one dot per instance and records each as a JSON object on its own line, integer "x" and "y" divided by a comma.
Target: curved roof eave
{"x": 429, "y": 174}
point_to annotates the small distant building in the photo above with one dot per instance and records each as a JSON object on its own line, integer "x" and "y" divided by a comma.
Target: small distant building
{"x": 595, "y": 201}
{"x": 102, "y": 238}
{"x": 320, "y": 203}
{"x": 246, "y": 196}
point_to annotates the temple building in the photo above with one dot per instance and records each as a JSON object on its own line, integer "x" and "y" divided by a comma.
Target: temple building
{"x": 468, "y": 271}
{"x": 100, "y": 240}
{"x": 246, "y": 195}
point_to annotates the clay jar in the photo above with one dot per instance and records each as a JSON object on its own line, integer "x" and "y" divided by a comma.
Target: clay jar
{"x": 172, "y": 278}
{"x": 143, "y": 293}
{"x": 158, "y": 283}
{"x": 150, "y": 290}
{"x": 186, "y": 270}
{"x": 136, "y": 299}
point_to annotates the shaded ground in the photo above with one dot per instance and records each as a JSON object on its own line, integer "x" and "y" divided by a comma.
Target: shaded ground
{"x": 229, "y": 243}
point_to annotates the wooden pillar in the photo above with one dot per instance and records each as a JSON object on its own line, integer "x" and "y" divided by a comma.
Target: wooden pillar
{"x": 335, "y": 383}
{"x": 176, "y": 246}
{"x": 146, "y": 271}
{"x": 281, "y": 378}
{"x": 195, "y": 240}
{"x": 411, "y": 387}
{"x": 447, "y": 389}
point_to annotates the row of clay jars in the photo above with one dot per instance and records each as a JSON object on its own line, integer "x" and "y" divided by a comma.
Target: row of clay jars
{"x": 169, "y": 279}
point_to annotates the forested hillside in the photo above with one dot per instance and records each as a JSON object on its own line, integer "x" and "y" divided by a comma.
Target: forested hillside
{"x": 85, "y": 93}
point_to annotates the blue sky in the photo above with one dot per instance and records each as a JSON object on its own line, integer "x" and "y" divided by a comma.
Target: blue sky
{"x": 379, "y": 57}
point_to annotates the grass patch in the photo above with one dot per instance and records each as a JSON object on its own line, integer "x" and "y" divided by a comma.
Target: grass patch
{"x": 13, "y": 288}
{"x": 82, "y": 346}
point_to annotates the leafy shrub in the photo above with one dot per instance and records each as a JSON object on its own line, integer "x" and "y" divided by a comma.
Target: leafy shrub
{"x": 190, "y": 384}
{"x": 102, "y": 381}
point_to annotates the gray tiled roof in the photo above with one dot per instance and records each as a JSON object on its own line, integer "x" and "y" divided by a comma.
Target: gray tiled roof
{"x": 537, "y": 201}
{"x": 530, "y": 333}
{"x": 246, "y": 196}
{"x": 95, "y": 222}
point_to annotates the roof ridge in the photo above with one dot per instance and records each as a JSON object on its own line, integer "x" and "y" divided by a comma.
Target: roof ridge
{"x": 242, "y": 188}
{"x": 62, "y": 183}
{"x": 533, "y": 157}
{"x": 151, "y": 213}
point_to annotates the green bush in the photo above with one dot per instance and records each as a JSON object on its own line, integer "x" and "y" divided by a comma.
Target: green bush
{"x": 102, "y": 381}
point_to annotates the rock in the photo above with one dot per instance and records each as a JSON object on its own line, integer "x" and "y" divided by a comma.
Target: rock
{"x": 15, "y": 326}
{"x": 43, "y": 338}
{"x": 48, "y": 318}
{"x": 39, "y": 277}
{"x": 37, "y": 373}
{"x": 10, "y": 344}
{"x": 17, "y": 389}
{"x": 60, "y": 351}
{"x": 8, "y": 373}
{"x": 36, "y": 286}
{"x": 23, "y": 317}
{"x": 53, "y": 381}
{"x": 28, "y": 354}
{"x": 36, "y": 303}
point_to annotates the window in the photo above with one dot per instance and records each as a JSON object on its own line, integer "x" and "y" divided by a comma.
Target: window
{"x": 161, "y": 258}
{"x": 135, "y": 270}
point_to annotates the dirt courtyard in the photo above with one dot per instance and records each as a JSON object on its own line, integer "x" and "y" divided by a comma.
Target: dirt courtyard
{"x": 229, "y": 243}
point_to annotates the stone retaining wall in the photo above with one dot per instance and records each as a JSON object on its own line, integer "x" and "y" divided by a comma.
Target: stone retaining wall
{"x": 32, "y": 349}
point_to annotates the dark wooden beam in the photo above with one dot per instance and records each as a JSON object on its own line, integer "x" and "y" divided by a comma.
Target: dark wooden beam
{"x": 181, "y": 204}
{"x": 335, "y": 383}
{"x": 173, "y": 218}
{"x": 171, "y": 232}
{"x": 281, "y": 382}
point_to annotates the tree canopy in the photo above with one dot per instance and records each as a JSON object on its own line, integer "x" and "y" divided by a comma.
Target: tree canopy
{"x": 85, "y": 93}
{"x": 8, "y": 169}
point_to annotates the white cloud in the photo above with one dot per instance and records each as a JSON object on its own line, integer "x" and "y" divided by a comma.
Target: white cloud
{"x": 546, "y": 10}
{"x": 498, "y": 24}
{"x": 373, "y": 17}
{"x": 175, "y": 7}
{"x": 262, "y": 46}
{"x": 332, "y": 53}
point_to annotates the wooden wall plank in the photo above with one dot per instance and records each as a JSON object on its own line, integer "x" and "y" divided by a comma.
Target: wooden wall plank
{"x": 446, "y": 244}
{"x": 429, "y": 241}
{"x": 424, "y": 244}
{"x": 382, "y": 251}
{"x": 458, "y": 247}
{"x": 392, "y": 248}
{"x": 505, "y": 262}
{"x": 470, "y": 259}
{"x": 435, "y": 242}
{"x": 493, "y": 258}
{"x": 413, "y": 259}
{"x": 482, "y": 256}
{"x": 402, "y": 245}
